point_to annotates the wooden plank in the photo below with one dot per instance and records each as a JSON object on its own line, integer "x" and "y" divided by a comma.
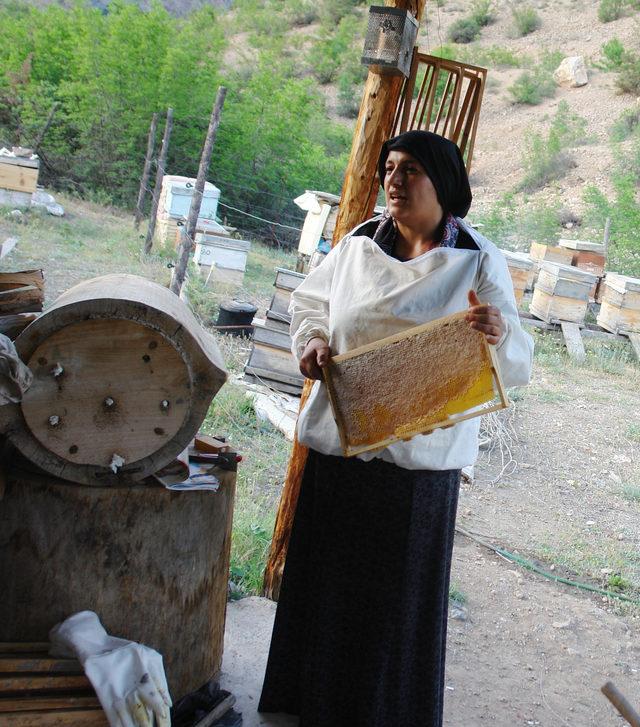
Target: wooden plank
{"x": 270, "y": 337}
{"x": 282, "y": 365}
{"x": 18, "y": 177}
{"x": 24, "y": 647}
{"x": 42, "y": 683}
{"x": 280, "y": 303}
{"x": 270, "y": 383}
{"x": 25, "y": 299}
{"x": 635, "y": 342}
{"x": 33, "y": 663}
{"x": 382, "y": 412}
{"x": 19, "y": 278}
{"x": 56, "y": 718}
{"x": 39, "y": 704}
{"x": 573, "y": 341}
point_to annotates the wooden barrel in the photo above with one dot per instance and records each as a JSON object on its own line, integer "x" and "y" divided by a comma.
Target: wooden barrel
{"x": 123, "y": 377}
{"x": 152, "y": 563}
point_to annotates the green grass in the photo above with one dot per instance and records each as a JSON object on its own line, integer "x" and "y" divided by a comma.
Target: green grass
{"x": 456, "y": 595}
{"x": 265, "y": 454}
{"x": 633, "y": 432}
{"x": 631, "y": 493}
{"x": 587, "y": 559}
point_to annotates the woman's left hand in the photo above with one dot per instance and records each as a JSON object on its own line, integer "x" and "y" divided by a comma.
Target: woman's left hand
{"x": 485, "y": 318}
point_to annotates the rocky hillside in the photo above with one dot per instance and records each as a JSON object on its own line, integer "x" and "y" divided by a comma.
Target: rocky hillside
{"x": 569, "y": 28}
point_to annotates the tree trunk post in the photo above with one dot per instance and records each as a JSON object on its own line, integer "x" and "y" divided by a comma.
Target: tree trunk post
{"x": 358, "y": 198}
{"x": 188, "y": 232}
{"x": 155, "y": 197}
{"x": 146, "y": 172}
{"x": 45, "y": 128}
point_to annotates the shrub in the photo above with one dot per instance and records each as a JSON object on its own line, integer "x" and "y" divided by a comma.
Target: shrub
{"x": 532, "y": 86}
{"x": 610, "y": 10}
{"x": 464, "y": 30}
{"x": 627, "y": 125}
{"x": 570, "y": 128}
{"x": 481, "y": 12}
{"x": 628, "y": 79}
{"x": 547, "y": 158}
{"x": 494, "y": 57}
{"x": 613, "y": 54}
{"x": 301, "y": 12}
{"x": 525, "y": 20}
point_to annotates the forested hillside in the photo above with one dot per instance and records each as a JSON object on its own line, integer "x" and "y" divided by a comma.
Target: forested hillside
{"x": 549, "y": 161}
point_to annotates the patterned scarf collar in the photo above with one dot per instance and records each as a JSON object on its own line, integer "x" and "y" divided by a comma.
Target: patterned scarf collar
{"x": 386, "y": 233}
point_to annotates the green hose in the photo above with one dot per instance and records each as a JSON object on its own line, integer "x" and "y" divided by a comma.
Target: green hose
{"x": 536, "y": 569}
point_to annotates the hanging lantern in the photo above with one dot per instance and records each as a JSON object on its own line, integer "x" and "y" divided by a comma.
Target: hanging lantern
{"x": 391, "y": 35}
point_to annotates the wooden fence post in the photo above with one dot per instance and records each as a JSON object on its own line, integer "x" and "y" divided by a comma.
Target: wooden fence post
{"x": 357, "y": 201}
{"x": 189, "y": 230}
{"x": 144, "y": 180}
{"x": 155, "y": 197}
{"x": 45, "y": 128}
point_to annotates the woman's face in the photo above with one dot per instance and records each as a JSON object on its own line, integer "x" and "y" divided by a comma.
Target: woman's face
{"x": 411, "y": 196}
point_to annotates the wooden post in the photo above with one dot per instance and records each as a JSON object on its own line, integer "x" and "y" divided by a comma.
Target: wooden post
{"x": 189, "y": 230}
{"x": 155, "y": 198}
{"x": 45, "y": 128}
{"x": 359, "y": 192}
{"x": 144, "y": 180}
{"x": 607, "y": 233}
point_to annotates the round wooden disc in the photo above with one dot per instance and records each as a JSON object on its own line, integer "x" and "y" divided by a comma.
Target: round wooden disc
{"x": 103, "y": 388}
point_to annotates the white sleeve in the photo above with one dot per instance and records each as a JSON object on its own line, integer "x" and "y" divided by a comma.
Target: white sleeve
{"x": 515, "y": 348}
{"x": 309, "y": 306}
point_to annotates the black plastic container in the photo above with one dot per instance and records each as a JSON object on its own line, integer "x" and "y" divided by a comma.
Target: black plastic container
{"x": 235, "y": 317}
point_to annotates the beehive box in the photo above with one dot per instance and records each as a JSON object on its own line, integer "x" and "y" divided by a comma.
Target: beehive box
{"x": 521, "y": 271}
{"x": 224, "y": 257}
{"x": 447, "y": 372}
{"x": 620, "y": 309}
{"x": 19, "y": 174}
{"x": 561, "y": 293}
{"x": 541, "y": 253}
{"x": 589, "y": 256}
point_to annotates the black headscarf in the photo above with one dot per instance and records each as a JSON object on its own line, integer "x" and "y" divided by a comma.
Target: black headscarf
{"x": 443, "y": 163}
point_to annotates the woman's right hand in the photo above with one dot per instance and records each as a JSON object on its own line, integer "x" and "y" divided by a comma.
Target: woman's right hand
{"x": 314, "y": 358}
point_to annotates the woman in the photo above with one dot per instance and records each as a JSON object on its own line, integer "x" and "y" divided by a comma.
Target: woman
{"x": 360, "y": 631}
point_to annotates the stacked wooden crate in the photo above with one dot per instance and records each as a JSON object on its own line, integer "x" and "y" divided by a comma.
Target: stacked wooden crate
{"x": 36, "y": 689}
{"x": 173, "y": 208}
{"x": 521, "y": 269}
{"x": 541, "y": 253}
{"x": 589, "y": 256}
{"x": 271, "y": 362}
{"x": 18, "y": 178}
{"x": 21, "y": 299}
{"x": 561, "y": 293}
{"x": 620, "y": 309}
{"x": 223, "y": 259}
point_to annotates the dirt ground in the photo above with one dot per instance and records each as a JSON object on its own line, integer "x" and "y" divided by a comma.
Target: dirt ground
{"x": 531, "y": 651}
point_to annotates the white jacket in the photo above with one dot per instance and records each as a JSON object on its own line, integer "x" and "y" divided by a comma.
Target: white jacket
{"x": 359, "y": 294}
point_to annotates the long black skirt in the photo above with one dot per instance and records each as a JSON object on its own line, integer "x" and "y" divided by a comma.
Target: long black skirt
{"x": 360, "y": 631}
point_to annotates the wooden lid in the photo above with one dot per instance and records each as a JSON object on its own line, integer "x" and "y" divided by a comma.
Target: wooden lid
{"x": 518, "y": 259}
{"x": 105, "y": 388}
{"x": 569, "y": 272}
{"x": 583, "y": 245}
{"x": 622, "y": 283}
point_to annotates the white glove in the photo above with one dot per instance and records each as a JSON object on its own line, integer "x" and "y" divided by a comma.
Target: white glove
{"x": 128, "y": 678}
